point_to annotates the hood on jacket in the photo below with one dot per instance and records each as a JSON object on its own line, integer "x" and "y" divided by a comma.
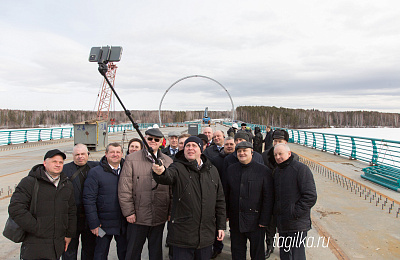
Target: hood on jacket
{"x": 38, "y": 172}
{"x": 257, "y": 130}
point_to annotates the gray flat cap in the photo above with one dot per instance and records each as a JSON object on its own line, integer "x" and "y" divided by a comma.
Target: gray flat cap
{"x": 242, "y": 135}
{"x": 154, "y": 132}
{"x": 174, "y": 133}
{"x": 243, "y": 144}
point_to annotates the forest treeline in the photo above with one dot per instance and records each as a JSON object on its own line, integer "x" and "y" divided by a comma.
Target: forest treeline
{"x": 26, "y": 118}
{"x": 312, "y": 118}
{"x": 265, "y": 115}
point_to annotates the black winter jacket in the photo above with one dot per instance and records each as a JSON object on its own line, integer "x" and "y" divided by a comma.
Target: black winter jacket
{"x": 218, "y": 162}
{"x": 268, "y": 140}
{"x": 249, "y": 194}
{"x": 100, "y": 199}
{"x": 295, "y": 195}
{"x": 69, "y": 170}
{"x": 55, "y": 216}
{"x": 166, "y": 151}
{"x": 232, "y": 158}
{"x": 258, "y": 140}
{"x": 198, "y": 207}
{"x": 211, "y": 151}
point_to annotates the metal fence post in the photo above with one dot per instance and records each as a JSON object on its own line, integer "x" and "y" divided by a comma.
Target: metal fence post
{"x": 314, "y": 141}
{"x": 374, "y": 153}
{"x": 353, "y": 149}
{"x": 337, "y": 149}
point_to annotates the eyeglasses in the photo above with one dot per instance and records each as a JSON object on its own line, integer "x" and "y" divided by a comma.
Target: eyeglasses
{"x": 151, "y": 139}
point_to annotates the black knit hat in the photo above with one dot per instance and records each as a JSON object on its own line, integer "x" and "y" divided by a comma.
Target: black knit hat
{"x": 196, "y": 140}
{"x": 280, "y": 134}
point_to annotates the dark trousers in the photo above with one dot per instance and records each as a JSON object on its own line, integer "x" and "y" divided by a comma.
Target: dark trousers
{"x": 88, "y": 245}
{"x": 192, "y": 253}
{"x": 239, "y": 244}
{"x": 137, "y": 235}
{"x": 270, "y": 234}
{"x": 293, "y": 245}
{"x": 103, "y": 246}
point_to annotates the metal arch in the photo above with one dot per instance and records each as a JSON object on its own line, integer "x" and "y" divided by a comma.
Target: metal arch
{"x": 194, "y": 76}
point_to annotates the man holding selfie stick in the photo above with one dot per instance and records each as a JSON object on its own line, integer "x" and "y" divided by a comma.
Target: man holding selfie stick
{"x": 144, "y": 203}
{"x": 100, "y": 199}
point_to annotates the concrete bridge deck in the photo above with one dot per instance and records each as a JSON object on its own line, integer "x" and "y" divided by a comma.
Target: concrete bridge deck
{"x": 354, "y": 219}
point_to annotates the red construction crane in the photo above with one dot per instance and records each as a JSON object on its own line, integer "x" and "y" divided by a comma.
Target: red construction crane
{"x": 106, "y": 94}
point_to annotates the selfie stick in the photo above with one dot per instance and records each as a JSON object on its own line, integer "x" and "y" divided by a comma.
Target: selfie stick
{"x": 103, "y": 68}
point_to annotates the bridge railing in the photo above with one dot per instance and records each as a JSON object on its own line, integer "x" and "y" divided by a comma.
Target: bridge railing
{"x": 371, "y": 150}
{"x": 34, "y": 135}
{"x": 18, "y": 136}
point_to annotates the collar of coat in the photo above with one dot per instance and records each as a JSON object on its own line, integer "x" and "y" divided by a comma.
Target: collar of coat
{"x": 286, "y": 163}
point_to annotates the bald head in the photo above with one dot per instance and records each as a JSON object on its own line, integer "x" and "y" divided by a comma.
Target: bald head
{"x": 80, "y": 154}
{"x": 208, "y": 132}
{"x": 218, "y": 138}
{"x": 282, "y": 153}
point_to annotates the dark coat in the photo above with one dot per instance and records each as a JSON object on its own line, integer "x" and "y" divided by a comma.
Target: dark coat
{"x": 249, "y": 195}
{"x": 55, "y": 216}
{"x": 100, "y": 199}
{"x": 268, "y": 140}
{"x": 258, "y": 140}
{"x": 69, "y": 170}
{"x": 211, "y": 151}
{"x": 295, "y": 195}
{"x": 232, "y": 158}
{"x": 231, "y": 131}
{"x": 168, "y": 152}
{"x": 198, "y": 207}
{"x": 269, "y": 158}
{"x": 218, "y": 161}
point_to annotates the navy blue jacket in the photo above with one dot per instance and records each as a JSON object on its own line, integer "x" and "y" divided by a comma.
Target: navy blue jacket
{"x": 100, "y": 198}
{"x": 249, "y": 196}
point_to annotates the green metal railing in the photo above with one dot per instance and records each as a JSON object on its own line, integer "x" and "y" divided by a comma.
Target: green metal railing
{"x": 18, "y": 136}
{"x": 371, "y": 150}
{"x": 34, "y": 135}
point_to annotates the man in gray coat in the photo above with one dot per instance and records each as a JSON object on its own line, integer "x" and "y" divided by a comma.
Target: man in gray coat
{"x": 144, "y": 203}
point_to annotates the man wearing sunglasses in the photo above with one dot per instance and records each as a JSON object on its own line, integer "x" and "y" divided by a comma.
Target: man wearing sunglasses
{"x": 144, "y": 203}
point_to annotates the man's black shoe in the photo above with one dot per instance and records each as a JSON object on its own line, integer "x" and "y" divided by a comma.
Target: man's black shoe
{"x": 268, "y": 253}
{"x": 215, "y": 254}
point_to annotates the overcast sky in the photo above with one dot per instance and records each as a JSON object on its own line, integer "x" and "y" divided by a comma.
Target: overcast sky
{"x": 327, "y": 55}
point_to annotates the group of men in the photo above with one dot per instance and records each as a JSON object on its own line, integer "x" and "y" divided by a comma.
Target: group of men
{"x": 195, "y": 184}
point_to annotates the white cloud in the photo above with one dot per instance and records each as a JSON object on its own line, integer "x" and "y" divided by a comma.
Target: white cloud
{"x": 288, "y": 53}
